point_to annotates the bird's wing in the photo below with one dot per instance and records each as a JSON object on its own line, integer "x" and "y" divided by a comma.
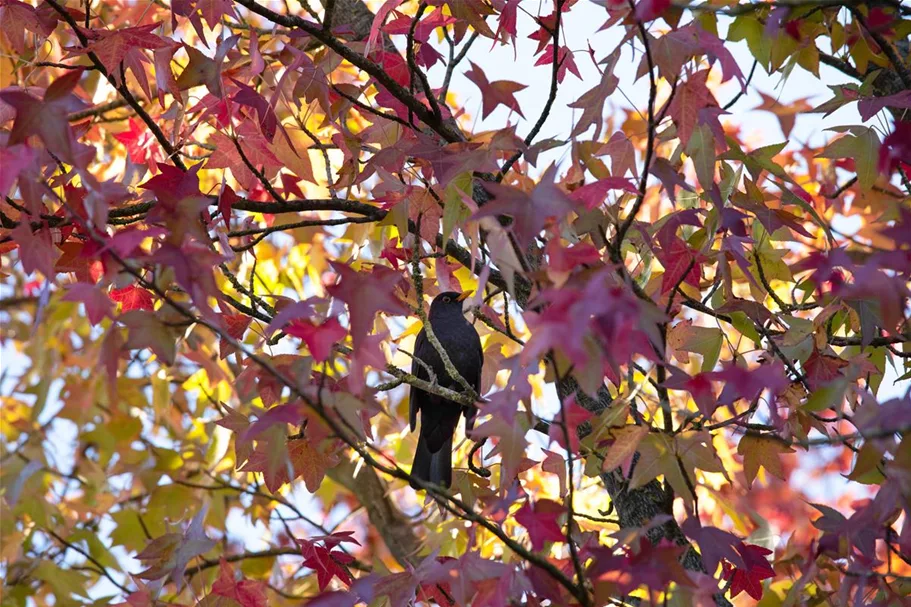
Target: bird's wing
{"x": 418, "y": 370}
{"x": 475, "y": 380}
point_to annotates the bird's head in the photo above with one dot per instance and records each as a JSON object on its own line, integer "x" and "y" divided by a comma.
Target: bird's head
{"x": 448, "y": 305}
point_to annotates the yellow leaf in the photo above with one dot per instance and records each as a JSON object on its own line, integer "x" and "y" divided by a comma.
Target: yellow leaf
{"x": 761, "y": 451}
{"x": 626, "y": 440}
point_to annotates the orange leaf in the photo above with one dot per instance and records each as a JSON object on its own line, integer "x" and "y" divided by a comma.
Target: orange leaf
{"x": 626, "y": 440}
{"x": 761, "y": 451}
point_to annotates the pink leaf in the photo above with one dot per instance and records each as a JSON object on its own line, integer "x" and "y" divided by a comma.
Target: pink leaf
{"x": 380, "y": 283}
{"x": 594, "y": 194}
{"x": 320, "y": 339}
{"x": 378, "y": 21}
{"x": 540, "y": 520}
{"x": 500, "y": 92}
{"x": 648, "y": 10}
{"x": 13, "y": 160}
{"x": 246, "y": 592}
{"x": 36, "y": 250}
{"x": 896, "y": 148}
{"x": 96, "y": 302}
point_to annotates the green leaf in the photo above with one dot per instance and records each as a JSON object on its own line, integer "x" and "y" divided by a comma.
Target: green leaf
{"x": 869, "y": 316}
{"x": 758, "y": 160}
{"x": 749, "y": 28}
{"x": 705, "y": 341}
{"x": 455, "y": 211}
{"x": 729, "y": 180}
{"x": 866, "y": 466}
{"x": 64, "y": 582}
{"x": 96, "y": 548}
{"x": 701, "y": 148}
{"x": 743, "y": 324}
{"x": 863, "y": 146}
{"x": 128, "y": 532}
{"x": 826, "y": 396}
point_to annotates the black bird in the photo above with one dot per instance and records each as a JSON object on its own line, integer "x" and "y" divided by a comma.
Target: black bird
{"x": 440, "y": 416}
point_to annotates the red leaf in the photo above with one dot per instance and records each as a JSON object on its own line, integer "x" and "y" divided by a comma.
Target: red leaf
{"x": 96, "y": 302}
{"x": 36, "y": 250}
{"x": 380, "y": 283}
{"x": 749, "y": 579}
{"x": 566, "y": 259}
{"x": 821, "y": 369}
{"x": 310, "y": 463}
{"x": 402, "y": 25}
{"x": 575, "y": 416}
{"x": 14, "y": 160}
{"x": 507, "y": 22}
{"x": 133, "y": 298}
{"x": 236, "y": 325}
{"x": 327, "y": 563}
{"x": 256, "y": 149}
{"x": 680, "y": 263}
{"x": 594, "y": 194}
{"x": 540, "y": 520}
{"x": 445, "y": 271}
{"x": 564, "y": 58}
{"x": 124, "y": 45}
{"x": 622, "y": 154}
{"x": 499, "y": 92}
{"x": 555, "y": 464}
{"x": 141, "y": 145}
{"x": 320, "y": 339}
{"x": 511, "y": 444}
{"x": 592, "y": 102}
{"x": 747, "y": 384}
{"x": 17, "y": 19}
{"x": 648, "y": 10}
{"x": 691, "y": 97}
{"x": 715, "y": 545}
{"x": 164, "y": 77}
{"x": 699, "y": 386}
{"x": 226, "y": 200}
{"x": 246, "y": 592}
{"x": 378, "y": 21}
{"x": 47, "y": 119}
{"x": 73, "y": 260}
{"x": 248, "y": 96}
{"x": 896, "y": 147}
{"x": 257, "y": 64}
{"x": 530, "y": 212}
{"x": 870, "y": 106}
{"x": 172, "y": 186}
{"x": 213, "y": 11}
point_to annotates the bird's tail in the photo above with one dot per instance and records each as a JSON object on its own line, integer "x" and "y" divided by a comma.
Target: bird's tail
{"x": 432, "y": 467}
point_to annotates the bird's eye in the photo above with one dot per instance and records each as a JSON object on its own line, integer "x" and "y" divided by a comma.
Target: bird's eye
{"x": 446, "y": 299}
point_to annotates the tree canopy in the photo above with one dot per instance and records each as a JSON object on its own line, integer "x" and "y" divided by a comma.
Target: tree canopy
{"x": 222, "y": 223}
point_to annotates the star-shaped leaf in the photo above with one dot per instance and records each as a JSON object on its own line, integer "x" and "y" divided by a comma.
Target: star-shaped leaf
{"x": 380, "y": 283}
{"x": 762, "y": 451}
{"x": 530, "y": 212}
{"x": 169, "y": 554}
{"x": 692, "y": 96}
{"x": 540, "y": 519}
{"x": 499, "y": 92}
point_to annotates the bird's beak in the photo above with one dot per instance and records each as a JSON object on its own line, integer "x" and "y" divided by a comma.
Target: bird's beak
{"x": 465, "y": 295}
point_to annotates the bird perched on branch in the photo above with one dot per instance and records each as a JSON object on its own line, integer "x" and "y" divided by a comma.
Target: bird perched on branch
{"x": 440, "y": 416}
